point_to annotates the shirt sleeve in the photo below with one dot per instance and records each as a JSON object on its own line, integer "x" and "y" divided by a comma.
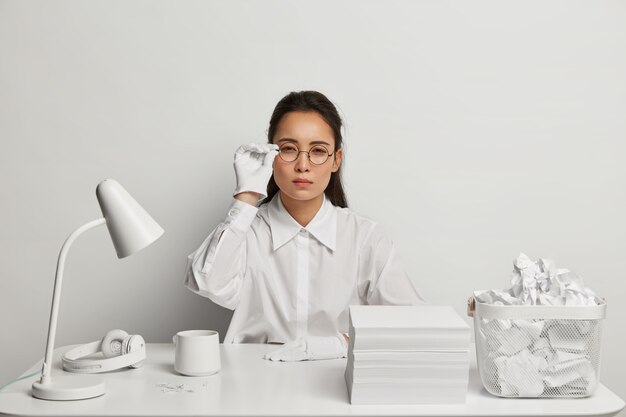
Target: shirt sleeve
{"x": 216, "y": 269}
{"x": 385, "y": 282}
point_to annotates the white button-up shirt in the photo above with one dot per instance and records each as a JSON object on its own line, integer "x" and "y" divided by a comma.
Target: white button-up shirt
{"x": 286, "y": 281}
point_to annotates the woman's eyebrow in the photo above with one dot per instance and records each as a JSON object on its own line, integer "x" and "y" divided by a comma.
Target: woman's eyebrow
{"x": 313, "y": 142}
{"x": 319, "y": 142}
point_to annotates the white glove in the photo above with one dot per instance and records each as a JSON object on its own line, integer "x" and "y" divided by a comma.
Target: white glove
{"x": 253, "y": 167}
{"x": 310, "y": 348}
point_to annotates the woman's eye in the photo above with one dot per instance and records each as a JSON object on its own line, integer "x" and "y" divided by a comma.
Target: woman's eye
{"x": 289, "y": 149}
{"x": 319, "y": 151}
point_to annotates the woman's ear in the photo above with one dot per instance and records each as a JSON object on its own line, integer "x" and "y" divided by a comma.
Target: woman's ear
{"x": 337, "y": 160}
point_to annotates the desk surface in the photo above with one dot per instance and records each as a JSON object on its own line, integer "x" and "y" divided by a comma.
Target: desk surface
{"x": 249, "y": 385}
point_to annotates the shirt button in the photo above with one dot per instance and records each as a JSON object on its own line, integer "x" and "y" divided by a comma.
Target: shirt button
{"x": 233, "y": 212}
{"x": 303, "y": 231}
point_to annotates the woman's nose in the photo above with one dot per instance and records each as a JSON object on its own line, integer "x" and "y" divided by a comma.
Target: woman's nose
{"x": 302, "y": 163}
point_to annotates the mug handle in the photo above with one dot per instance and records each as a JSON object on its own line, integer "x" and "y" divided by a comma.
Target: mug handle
{"x": 175, "y": 339}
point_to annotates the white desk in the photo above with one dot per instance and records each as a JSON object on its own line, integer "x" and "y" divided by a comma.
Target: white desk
{"x": 249, "y": 385}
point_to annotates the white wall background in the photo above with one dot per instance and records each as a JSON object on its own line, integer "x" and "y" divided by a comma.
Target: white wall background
{"x": 474, "y": 130}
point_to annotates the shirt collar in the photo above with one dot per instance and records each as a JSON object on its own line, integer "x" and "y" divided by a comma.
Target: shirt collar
{"x": 284, "y": 227}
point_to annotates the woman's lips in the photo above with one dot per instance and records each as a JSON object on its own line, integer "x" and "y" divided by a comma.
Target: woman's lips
{"x": 302, "y": 182}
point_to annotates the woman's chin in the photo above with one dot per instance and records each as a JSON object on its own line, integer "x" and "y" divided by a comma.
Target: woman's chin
{"x": 301, "y": 194}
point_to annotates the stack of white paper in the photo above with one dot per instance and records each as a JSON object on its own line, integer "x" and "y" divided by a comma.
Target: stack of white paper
{"x": 407, "y": 355}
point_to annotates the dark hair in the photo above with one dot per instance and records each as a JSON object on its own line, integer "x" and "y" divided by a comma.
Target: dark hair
{"x": 310, "y": 101}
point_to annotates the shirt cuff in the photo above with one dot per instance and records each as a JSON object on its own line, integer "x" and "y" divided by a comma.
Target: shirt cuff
{"x": 240, "y": 215}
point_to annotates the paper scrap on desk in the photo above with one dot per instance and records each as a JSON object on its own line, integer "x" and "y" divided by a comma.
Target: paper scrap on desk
{"x": 173, "y": 388}
{"x": 532, "y": 355}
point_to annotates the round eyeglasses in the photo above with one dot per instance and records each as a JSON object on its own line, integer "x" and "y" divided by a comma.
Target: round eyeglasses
{"x": 317, "y": 155}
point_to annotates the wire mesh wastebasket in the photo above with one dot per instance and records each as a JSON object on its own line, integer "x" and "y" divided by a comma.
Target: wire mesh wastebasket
{"x": 537, "y": 350}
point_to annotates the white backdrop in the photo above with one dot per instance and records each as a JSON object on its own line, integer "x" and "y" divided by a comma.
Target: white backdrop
{"x": 474, "y": 130}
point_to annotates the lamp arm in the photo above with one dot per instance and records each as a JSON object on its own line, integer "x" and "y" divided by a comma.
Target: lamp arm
{"x": 56, "y": 295}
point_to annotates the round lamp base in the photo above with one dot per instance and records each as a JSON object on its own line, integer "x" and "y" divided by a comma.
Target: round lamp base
{"x": 69, "y": 387}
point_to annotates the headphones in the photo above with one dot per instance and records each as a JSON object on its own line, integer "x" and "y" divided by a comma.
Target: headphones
{"x": 120, "y": 350}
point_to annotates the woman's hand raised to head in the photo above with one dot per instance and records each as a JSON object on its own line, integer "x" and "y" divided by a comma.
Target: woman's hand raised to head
{"x": 253, "y": 168}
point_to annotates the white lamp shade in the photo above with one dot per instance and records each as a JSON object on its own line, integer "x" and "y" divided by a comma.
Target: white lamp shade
{"x": 130, "y": 226}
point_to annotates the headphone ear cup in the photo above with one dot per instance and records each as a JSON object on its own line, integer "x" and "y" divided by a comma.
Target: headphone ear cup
{"x": 112, "y": 343}
{"x": 131, "y": 344}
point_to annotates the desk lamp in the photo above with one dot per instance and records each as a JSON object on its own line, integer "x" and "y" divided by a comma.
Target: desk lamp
{"x": 131, "y": 229}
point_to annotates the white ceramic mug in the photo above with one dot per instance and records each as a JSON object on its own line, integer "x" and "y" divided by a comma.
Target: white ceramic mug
{"x": 197, "y": 352}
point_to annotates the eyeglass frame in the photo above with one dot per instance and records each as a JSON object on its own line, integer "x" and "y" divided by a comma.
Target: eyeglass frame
{"x": 308, "y": 155}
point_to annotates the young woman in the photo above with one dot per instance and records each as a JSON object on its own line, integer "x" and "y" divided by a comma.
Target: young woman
{"x": 291, "y": 267}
